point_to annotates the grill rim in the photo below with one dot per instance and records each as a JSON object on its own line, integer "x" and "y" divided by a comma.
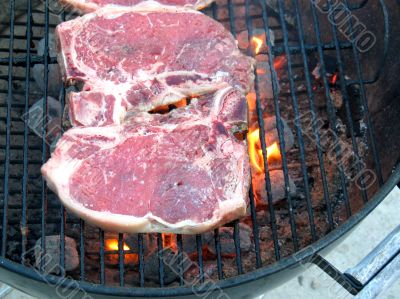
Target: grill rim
{"x": 256, "y": 274}
{"x": 302, "y": 256}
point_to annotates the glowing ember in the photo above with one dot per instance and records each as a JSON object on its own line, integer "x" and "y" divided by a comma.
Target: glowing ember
{"x": 251, "y": 100}
{"x": 255, "y": 151}
{"x": 168, "y": 241}
{"x": 279, "y": 62}
{"x": 334, "y": 79}
{"x": 258, "y": 42}
{"x": 112, "y": 244}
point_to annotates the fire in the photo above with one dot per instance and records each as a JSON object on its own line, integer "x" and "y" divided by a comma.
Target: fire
{"x": 168, "y": 241}
{"x": 258, "y": 42}
{"x": 112, "y": 244}
{"x": 334, "y": 79}
{"x": 279, "y": 62}
{"x": 255, "y": 151}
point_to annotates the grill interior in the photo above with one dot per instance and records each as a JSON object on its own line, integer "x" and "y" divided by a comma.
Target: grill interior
{"x": 327, "y": 183}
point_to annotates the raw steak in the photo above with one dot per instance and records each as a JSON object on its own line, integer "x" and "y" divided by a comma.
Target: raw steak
{"x": 181, "y": 172}
{"x": 144, "y": 57}
{"x": 86, "y": 6}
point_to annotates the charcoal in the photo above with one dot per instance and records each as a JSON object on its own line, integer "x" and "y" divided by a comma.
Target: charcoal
{"x": 149, "y": 242}
{"x": 271, "y": 131}
{"x": 277, "y": 186}
{"x": 227, "y": 241}
{"x": 52, "y": 255}
{"x": 171, "y": 263}
{"x": 189, "y": 243}
{"x": 54, "y": 75}
{"x": 53, "y": 119}
{"x": 243, "y": 39}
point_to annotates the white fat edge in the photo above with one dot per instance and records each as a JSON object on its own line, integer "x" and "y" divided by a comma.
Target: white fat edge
{"x": 146, "y": 75}
{"x": 176, "y": 225}
{"x": 218, "y": 100}
{"x": 58, "y": 171}
{"x": 145, "y": 7}
{"x": 165, "y": 75}
{"x": 112, "y": 132}
{"x": 220, "y": 75}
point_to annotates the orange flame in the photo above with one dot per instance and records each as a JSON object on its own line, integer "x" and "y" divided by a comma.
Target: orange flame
{"x": 258, "y": 42}
{"x": 112, "y": 244}
{"x": 168, "y": 241}
{"x": 255, "y": 151}
{"x": 334, "y": 79}
{"x": 279, "y": 62}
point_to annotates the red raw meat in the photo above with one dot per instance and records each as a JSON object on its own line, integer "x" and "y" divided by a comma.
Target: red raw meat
{"x": 181, "y": 172}
{"x": 86, "y": 6}
{"x": 143, "y": 57}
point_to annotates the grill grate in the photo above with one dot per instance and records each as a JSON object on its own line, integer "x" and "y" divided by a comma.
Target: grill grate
{"x": 291, "y": 40}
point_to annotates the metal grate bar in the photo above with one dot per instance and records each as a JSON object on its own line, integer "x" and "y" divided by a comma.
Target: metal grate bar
{"x": 256, "y": 235}
{"x": 274, "y": 231}
{"x": 310, "y": 94}
{"x": 214, "y": 10}
{"x": 35, "y": 59}
{"x": 121, "y": 259}
{"x": 236, "y": 239}
{"x": 62, "y": 240}
{"x": 21, "y": 61}
{"x": 200, "y": 257}
{"x": 141, "y": 259}
{"x": 370, "y": 128}
{"x": 180, "y": 255}
{"x": 283, "y": 45}
{"x": 231, "y": 13}
{"x": 8, "y": 133}
{"x": 330, "y": 110}
{"x": 63, "y": 212}
{"x": 102, "y": 268}
{"x": 82, "y": 248}
{"x": 160, "y": 259}
{"x": 278, "y": 123}
{"x": 24, "y": 228}
{"x": 346, "y": 100}
{"x": 297, "y": 125}
{"x": 44, "y": 132}
{"x": 218, "y": 251}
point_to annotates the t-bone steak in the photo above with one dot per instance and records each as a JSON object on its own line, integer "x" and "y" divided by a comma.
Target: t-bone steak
{"x": 86, "y": 6}
{"x": 181, "y": 172}
{"x": 143, "y": 57}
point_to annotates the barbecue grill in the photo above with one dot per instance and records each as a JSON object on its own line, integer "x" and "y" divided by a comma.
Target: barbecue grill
{"x": 364, "y": 73}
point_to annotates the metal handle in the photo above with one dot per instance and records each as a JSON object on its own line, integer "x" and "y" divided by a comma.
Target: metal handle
{"x": 377, "y": 259}
{"x": 375, "y": 272}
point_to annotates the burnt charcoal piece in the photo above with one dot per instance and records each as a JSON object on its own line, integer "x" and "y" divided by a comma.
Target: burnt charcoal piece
{"x": 189, "y": 243}
{"x": 52, "y": 255}
{"x": 53, "y": 120}
{"x": 192, "y": 275}
{"x": 171, "y": 263}
{"x": 149, "y": 242}
{"x": 271, "y": 131}
{"x": 277, "y": 186}
{"x": 54, "y": 77}
{"x": 227, "y": 241}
